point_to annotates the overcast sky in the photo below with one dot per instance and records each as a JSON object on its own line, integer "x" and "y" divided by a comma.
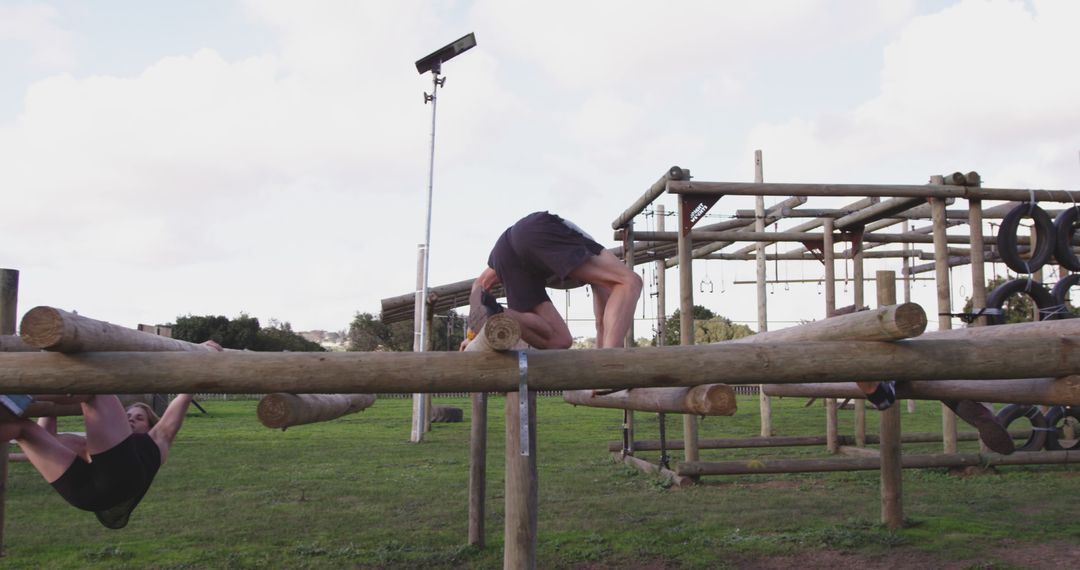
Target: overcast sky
{"x": 271, "y": 157}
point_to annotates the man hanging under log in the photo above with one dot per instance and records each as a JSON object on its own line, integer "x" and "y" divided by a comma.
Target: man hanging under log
{"x": 109, "y": 470}
{"x": 543, "y": 249}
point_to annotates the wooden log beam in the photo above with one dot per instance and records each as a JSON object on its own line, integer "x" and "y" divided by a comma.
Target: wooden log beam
{"x": 654, "y": 191}
{"x": 796, "y": 441}
{"x": 697, "y": 188}
{"x": 280, "y": 410}
{"x": 705, "y": 400}
{"x": 1063, "y": 391}
{"x": 760, "y": 466}
{"x": 14, "y": 343}
{"x": 49, "y": 328}
{"x": 888, "y": 323}
{"x": 730, "y": 237}
{"x": 383, "y": 372}
{"x": 647, "y": 467}
{"x": 875, "y": 212}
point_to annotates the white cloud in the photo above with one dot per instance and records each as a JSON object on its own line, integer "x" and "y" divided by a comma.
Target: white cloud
{"x": 980, "y": 85}
{"x": 34, "y": 25}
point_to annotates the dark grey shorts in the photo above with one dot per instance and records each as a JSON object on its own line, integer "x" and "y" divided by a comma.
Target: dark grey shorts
{"x": 536, "y": 248}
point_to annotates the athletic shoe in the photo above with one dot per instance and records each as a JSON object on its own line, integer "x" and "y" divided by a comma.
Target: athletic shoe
{"x": 481, "y": 306}
{"x": 884, "y": 396}
{"x": 16, "y": 403}
{"x": 991, "y": 432}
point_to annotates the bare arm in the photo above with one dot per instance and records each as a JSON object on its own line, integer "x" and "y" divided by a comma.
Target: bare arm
{"x": 165, "y": 431}
{"x": 487, "y": 279}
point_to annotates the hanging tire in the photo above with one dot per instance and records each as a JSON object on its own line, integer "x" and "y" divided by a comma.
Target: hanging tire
{"x": 446, "y": 414}
{"x": 1044, "y": 238}
{"x": 1013, "y": 412}
{"x": 1055, "y": 440}
{"x": 1038, "y": 293}
{"x": 1064, "y": 227}
{"x": 1062, "y": 287}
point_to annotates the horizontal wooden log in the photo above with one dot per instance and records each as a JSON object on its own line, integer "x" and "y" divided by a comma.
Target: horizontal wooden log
{"x": 883, "y": 209}
{"x": 697, "y": 188}
{"x": 1046, "y": 391}
{"x": 49, "y": 328}
{"x": 14, "y": 343}
{"x": 647, "y": 467}
{"x": 892, "y": 322}
{"x": 760, "y": 466}
{"x": 796, "y": 441}
{"x": 652, "y": 193}
{"x": 52, "y": 410}
{"x": 729, "y": 237}
{"x": 410, "y": 372}
{"x": 705, "y": 400}
{"x": 280, "y": 410}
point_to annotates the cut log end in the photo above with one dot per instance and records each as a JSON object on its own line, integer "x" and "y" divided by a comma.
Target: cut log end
{"x": 712, "y": 400}
{"x": 273, "y": 410}
{"x": 502, "y": 332}
{"x": 910, "y": 319}
{"x": 42, "y": 327}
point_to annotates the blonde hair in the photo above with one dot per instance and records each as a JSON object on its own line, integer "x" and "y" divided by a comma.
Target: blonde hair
{"x": 151, "y": 417}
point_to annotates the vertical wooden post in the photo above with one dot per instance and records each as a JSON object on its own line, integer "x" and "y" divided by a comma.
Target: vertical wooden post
{"x": 477, "y": 468}
{"x": 628, "y": 340}
{"x": 860, "y": 302}
{"x": 661, "y": 284}
{"x": 944, "y": 305}
{"x": 686, "y": 318}
{"x": 832, "y": 420}
{"x": 892, "y": 504}
{"x": 429, "y": 344}
{"x": 9, "y": 308}
{"x": 978, "y": 268}
{"x": 519, "y": 538}
{"x": 906, "y": 263}
{"x": 764, "y": 404}
{"x": 419, "y": 407}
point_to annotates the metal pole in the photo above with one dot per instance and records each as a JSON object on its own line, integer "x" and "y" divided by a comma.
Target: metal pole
{"x": 436, "y": 82}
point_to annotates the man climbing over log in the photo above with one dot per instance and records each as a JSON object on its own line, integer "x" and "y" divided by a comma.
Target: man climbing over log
{"x": 882, "y": 395}
{"x": 542, "y": 250}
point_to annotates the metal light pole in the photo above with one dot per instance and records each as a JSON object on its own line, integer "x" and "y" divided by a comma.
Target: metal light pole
{"x": 433, "y": 63}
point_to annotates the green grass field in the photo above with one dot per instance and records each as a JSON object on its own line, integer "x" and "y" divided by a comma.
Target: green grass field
{"x": 354, "y": 493}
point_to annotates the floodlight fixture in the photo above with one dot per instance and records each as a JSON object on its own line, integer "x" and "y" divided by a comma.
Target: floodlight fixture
{"x": 434, "y": 60}
{"x": 433, "y": 63}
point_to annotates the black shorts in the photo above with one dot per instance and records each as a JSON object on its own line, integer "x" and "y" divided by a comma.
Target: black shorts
{"x": 536, "y": 248}
{"x": 114, "y": 481}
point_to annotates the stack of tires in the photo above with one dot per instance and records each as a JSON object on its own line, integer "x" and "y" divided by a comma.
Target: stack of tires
{"x": 1052, "y": 238}
{"x": 1057, "y": 429}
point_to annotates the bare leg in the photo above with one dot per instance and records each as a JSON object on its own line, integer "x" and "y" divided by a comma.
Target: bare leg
{"x": 543, "y": 327}
{"x": 605, "y": 270}
{"x": 106, "y": 423}
{"x": 600, "y": 299}
{"x": 50, "y": 457}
